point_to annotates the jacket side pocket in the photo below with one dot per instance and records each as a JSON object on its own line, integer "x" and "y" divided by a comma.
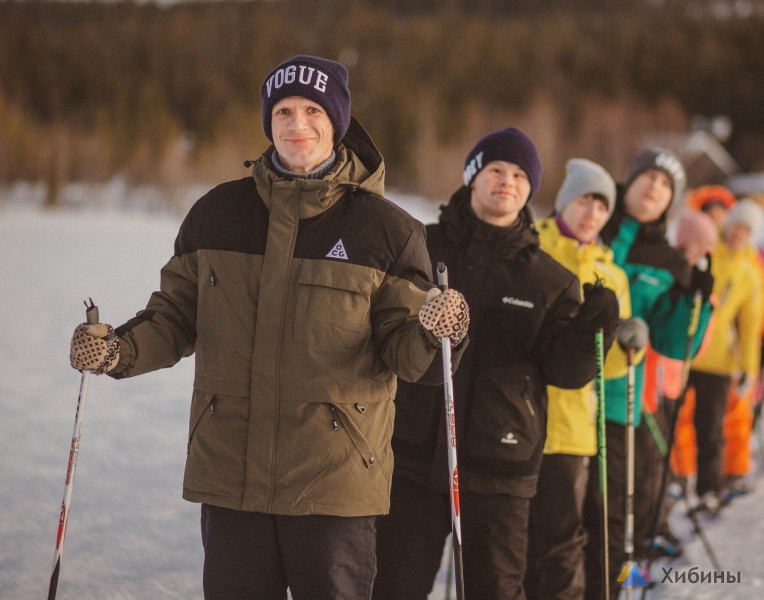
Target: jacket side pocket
{"x": 505, "y": 424}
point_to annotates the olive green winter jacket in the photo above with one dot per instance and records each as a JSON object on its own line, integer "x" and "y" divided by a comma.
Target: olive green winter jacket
{"x": 300, "y": 299}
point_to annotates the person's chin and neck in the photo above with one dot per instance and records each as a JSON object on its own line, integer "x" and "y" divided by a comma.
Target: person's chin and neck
{"x": 303, "y": 136}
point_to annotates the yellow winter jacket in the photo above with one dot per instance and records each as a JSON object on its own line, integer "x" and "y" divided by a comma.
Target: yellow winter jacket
{"x": 571, "y": 423}
{"x": 736, "y": 325}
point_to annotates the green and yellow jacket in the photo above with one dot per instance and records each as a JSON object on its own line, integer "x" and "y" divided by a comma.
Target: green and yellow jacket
{"x": 659, "y": 285}
{"x": 300, "y": 300}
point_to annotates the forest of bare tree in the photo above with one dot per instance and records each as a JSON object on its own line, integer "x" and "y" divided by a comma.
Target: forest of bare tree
{"x": 169, "y": 93}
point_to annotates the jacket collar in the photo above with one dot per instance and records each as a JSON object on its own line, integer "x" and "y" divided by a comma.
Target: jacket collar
{"x": 549, "y": 232}
{"x": 464, "y": 228}
{"x": 359, "y": 165}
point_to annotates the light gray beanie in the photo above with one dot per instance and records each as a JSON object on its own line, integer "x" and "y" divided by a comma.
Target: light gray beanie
{"x": 584, "y": 177}
{"x": 745, "y": 212}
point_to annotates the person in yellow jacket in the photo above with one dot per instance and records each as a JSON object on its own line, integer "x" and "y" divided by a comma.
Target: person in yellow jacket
{"x": 733, "y": 350}
{"x": 556, "y": 536}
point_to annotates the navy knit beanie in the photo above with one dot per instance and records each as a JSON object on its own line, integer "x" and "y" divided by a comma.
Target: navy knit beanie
{"x": 323, "y": 81}
{"x": 509, "y": 144}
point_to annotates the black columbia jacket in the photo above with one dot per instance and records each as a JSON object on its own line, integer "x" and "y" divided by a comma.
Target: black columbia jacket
{"x": 523, "y": 336}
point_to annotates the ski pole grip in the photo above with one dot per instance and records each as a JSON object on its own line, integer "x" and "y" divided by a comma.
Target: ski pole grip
{"x": 442, "y": 276}
{"x": 91, "y": 312}
{"x": 92, "y": 318}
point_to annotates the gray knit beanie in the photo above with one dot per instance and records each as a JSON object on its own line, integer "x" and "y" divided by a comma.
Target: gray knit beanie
{"x": 661, "y": 160}
{"x": 584, "y": 177}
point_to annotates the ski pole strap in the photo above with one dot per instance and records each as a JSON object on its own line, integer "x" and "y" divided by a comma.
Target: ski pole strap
{"x": 656, "y": 432}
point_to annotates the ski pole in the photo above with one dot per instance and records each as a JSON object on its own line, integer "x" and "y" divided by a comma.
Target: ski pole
{"x": 599, "y": 384}
{"x": 697, "y": 303}
{"x": 632, "y": 337}
{"x": 450, "y": 570}
{"x": 453, "y": 469}
{"x": 91, "y": 315}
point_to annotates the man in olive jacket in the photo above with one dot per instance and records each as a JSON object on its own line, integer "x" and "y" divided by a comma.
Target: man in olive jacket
{"x": 528, "y": 330}
{"x": 299, "y": 290}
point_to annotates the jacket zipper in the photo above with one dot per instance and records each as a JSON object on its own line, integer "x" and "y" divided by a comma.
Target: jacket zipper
{"x": 526, "y": 395}
{"x": 277, "y": 351}
{"x": 196, "y": 424}
{"x": 335, "y": 424}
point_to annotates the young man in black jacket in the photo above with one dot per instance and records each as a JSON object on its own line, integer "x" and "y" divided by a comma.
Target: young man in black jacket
{"x": 528, "y": 329}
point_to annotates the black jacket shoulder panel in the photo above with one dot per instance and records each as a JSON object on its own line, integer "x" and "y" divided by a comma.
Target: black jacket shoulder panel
{"x": 371, "y": 230}
{"x": 231, "y": 216}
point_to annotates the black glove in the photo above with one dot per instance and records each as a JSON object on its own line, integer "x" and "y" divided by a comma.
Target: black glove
{"x": 599, "y": 310}
{"x": 701, "y": 280}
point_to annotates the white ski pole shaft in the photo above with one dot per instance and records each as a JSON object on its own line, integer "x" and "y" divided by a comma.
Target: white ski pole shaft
{"x": 453, "y": 469}
{"x": 91, "y": 314}
{"x": 628, "y": 540}
{"x": 632, "y": 337}
{"x": 697, "y": 303}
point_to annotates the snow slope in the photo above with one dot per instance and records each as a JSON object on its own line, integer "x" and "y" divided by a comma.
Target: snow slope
{"x": 130, "y": 533}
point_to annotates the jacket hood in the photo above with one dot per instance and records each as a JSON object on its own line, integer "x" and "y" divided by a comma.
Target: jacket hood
{"x": 359, "y": 165}
{"x": 461, "y": 225}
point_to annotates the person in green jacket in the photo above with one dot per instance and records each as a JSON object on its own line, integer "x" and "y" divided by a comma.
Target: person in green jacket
{"x": 299, "y": 290}
{"x": 556, "y": 535}
{"x": 662, "y": 286}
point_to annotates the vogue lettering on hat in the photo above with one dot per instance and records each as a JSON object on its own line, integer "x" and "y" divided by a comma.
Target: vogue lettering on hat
{"x": 301, "y": 74}
{"x": 323, "y": 81}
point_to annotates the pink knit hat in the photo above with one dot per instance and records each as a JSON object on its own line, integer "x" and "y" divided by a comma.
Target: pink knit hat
{"x": 696, "y": 226}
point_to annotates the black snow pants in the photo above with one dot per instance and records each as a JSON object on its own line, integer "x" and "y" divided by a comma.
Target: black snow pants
{"x": 711, "y": 393}
{"x": 644, "y": 503}
{"x": 410, "y": 543}
{"x": 251, "y": 555}
{"x": 556, "y": 535}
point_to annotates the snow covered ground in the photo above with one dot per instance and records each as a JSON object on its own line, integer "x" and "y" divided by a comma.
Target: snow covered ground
{"x": 130, "y": 533}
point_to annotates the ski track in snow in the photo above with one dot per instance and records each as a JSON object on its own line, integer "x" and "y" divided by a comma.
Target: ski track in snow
{"x": 130, "y": 534}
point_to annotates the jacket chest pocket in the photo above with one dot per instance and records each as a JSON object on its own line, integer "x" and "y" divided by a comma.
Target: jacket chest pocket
{"x": 505, "y": 424}
{"x": 333, "y": 307}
